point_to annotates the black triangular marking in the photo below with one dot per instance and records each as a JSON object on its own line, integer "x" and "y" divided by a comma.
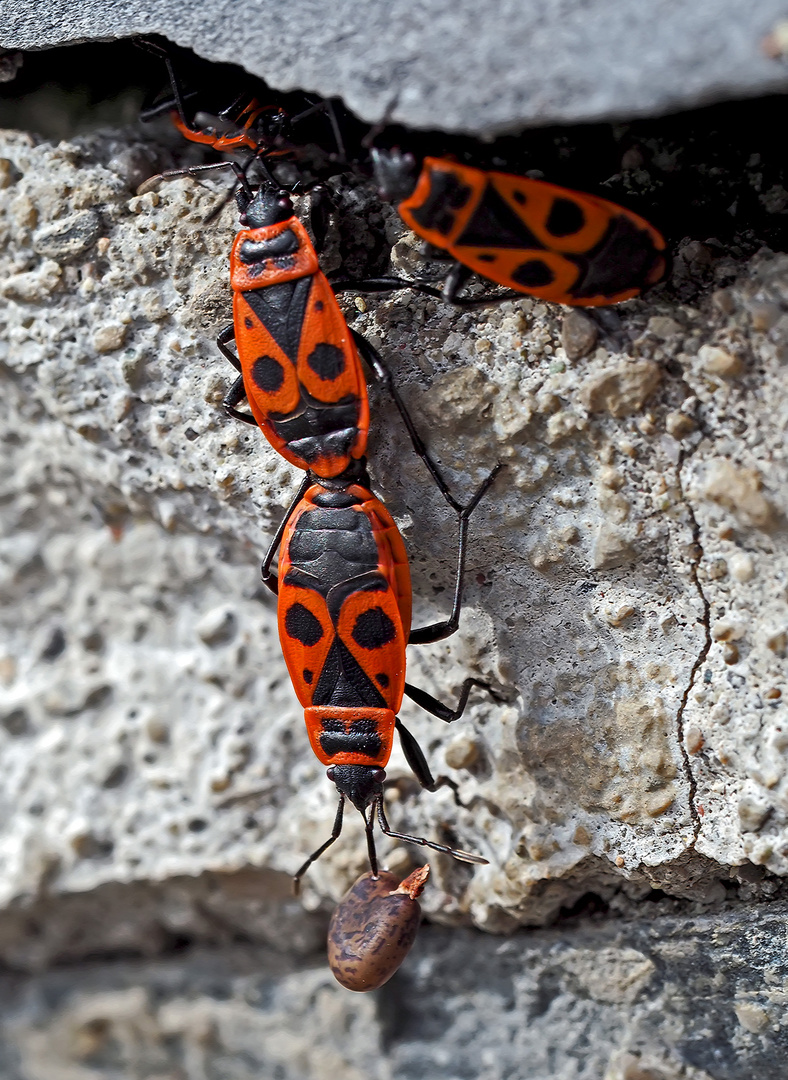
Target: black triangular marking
{"x": 329, "y": 676}
{"x": 344, "y": 683}
{"x": 301, "y": 625}
{"x": 566, "y": 218}
{"x": 494, "y": 224}
{"x": 281, "y": 309}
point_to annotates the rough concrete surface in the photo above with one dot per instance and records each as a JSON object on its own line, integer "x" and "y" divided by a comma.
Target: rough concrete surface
{"x": 455, "y": 64}
{"x": 626, "y": 599}
{"x": 667, "y": 999}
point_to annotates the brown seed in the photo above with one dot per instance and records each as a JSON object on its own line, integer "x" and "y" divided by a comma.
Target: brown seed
{"x": 373, "y": 928}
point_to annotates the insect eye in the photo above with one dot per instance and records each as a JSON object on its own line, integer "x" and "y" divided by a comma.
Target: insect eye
{"x": 330, "y": 772}
{"x": 378, "y": 775}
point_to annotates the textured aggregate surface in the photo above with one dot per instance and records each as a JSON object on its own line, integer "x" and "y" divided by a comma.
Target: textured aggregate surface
{"x": 663, "y": 999}
{"x": 626, "y": 599}
{"x": 454, "y": 64}
{"x": 626, "y": 577}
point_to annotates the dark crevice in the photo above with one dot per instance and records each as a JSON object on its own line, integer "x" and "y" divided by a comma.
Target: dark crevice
{"x": 697, "y": 556}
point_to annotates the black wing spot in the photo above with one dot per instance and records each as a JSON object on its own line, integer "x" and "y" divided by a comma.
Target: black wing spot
{"x": 373, "y": 629}
{"x": 248, "y": 323}
{"x": 520, "y": 197}
{"x": 565, "y": 218}
{"x": 533, "y": 274}
{"x": 487, "y": 258}
{"x": 268, "y": 374}
{"x": 382, "y": 678}
{"x": 302, "y": 625}
{"x": 308, "y": 676}
{"x": 327, "y": 361}
{"x": 496, "y": 224}
{"x": 319, "y": 305}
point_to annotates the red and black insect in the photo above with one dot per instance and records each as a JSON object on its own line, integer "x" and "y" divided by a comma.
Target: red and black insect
{"x": 344, "y": 622}
{"x": 299, "y": 362}
{"x": 530, "y": 236}
{"x": 248, "y": 122}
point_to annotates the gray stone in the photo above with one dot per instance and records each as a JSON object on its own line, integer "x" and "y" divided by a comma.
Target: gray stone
{"x": 579, "y": 334}
{"x": 452, "y": 64}
{"x": 67, "y": 239}
{"x": 665, "y": 998}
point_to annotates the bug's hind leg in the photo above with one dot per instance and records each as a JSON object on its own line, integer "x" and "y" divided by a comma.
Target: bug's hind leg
{"x": 446, "y": 627}
{"x": 236, "y": 394}
{"x": 444, "y": 712}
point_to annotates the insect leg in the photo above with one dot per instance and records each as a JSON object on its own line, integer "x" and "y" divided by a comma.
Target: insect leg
{"x": 414, "y": 756}
{"x": 382, "y": 375}
{"x": 369, "y": 821}
{"x": 269, "y": 576}
{"x": 437, "y": 708}
{"x": 439, "y": 630}
{"x": 456, "y": 853}
{"x": 458, "y": 277}
{"x": 448, "y": 293}
{"x": 172, "y": 174}
{"x": 336, "y": 830}
{"x": 384, "y": 284}
{"x": 178, "y": 96}
{"x": 225, "y": 335}
{"x": 236, "y": 393}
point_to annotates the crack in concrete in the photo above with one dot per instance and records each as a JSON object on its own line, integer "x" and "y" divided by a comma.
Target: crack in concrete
{"x": 701, "y": 657}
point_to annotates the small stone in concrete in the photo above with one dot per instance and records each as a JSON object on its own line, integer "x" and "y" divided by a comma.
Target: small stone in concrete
{"x": 717, "y": 361}
{"x": 217, "y": 627}
{"x": 611, "y": 548}
{"x": 579, "y": 334}
{"x": 679, "y": 425}
{"x": 68, "y": 238}
{"x": 739, "y": 489}
{"x": 622, "y": 389}
{"x": 109, "y": 337}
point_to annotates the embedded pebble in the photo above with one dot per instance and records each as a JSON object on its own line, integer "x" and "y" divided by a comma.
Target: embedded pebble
{"x": 462, "y": 752}
{"x": 717, "y": 361}
{"x": 693, "y": 739}
{"x": 34, "y": 284}
{"x": 764, "y": 315}
{"x": 611, "y": 548}
{"x": 741, "y": 567}
{"x": 69, "y": 237}
{"x": 679, "y": 425}
{"x": 752, "y": 1017}
{"x": 623, "y": 389}
{"x": 109, "y": 337}
{"x": 752, "y": 813}
{"x": 739, "y": 489}
{"x": 579, "y": 334}
{"x": 663, "y": 327}
{"x": 217, "y": 627}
